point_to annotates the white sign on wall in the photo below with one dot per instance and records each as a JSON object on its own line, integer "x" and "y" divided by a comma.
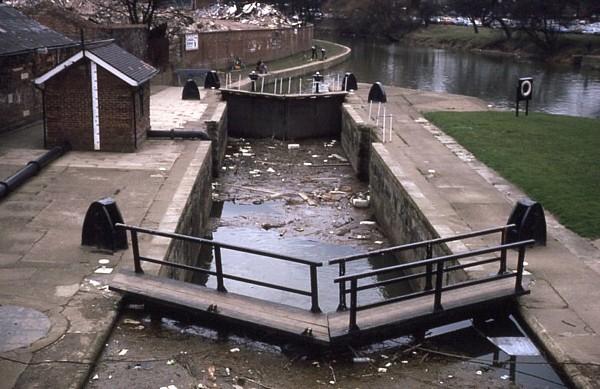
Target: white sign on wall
{"x": 191, "y": 42}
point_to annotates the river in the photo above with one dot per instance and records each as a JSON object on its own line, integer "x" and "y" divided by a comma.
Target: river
{"x": 492, "y": 78}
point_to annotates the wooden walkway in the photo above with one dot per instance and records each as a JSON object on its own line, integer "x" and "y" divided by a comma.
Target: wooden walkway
{"x": 319, "y": 328}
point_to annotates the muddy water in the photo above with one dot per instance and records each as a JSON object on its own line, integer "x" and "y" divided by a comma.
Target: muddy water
{"x": 295, "y": 202}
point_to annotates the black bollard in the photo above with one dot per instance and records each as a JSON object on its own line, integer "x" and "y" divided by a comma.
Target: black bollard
{"x": 190, "y": 91}
{"x": 377, "y": 94}
{"x": 253, "y": 77}
{"x": 349, "y": 83}
{"x": 212, "y": 80}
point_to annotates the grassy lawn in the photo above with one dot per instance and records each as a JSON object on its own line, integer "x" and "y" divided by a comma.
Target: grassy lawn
{"x": 554, "y": 159}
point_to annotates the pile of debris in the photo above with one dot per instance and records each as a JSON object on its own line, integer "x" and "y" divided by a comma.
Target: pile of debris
{"x": 255, "y": 14}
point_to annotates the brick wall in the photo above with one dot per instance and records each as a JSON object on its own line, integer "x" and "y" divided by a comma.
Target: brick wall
{"x": 20, "y": 103}
{"x": 217, "y": 49}
{"x": 69, "y": 110}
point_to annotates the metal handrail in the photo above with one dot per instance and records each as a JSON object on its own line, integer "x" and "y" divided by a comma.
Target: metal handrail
{"x": 428, "y": 244}
{"x": 411, "y": 246}
{"x": 439, "y": 288}
{"x": 218, "y": 273}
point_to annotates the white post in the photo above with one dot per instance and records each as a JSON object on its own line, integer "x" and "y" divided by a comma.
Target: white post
{"x": 391, "y": 124}
{"x": 240, "y": 81}
{"x": 281, "y": 86}
{"x": 275, "y": 87}
{"x": 95, "y": 108}
{"x": 370, "y": 109}
{"x": 289, "y": 85}
{"x": 299, "y": 85}
{"x": 378, "y": 112}
{"x": 383, "y": 128}
{"x": 338, "y": 81}
{"x": 262, "y": 84}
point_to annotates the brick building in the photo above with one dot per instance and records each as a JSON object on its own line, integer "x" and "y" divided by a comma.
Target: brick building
{"x": 27, "y": 49}
{"x": 98, "y": 99}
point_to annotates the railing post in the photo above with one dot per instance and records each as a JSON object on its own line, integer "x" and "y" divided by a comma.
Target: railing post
{"x": 314, "y": 290}
{"x": 520, "y": 268}
{"x": 429, "y": 268}
{"x": 342, "y": 272}
{"x": 502, "y": 269}
{"x": 439, "y": 282}
{"x": 136, "y": 252}
{"x": 353, "y": 303}
{"x": 219, "y": 268}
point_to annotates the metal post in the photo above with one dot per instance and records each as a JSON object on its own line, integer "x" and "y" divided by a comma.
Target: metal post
{"x": 314, "y": 290}
{"x": 383, "y": 124}
{"x": 439, "y": 280}
{"x": 378, "y": 113}
{"x": 281, "y": 86}
{"x": 240, "y": 81}
{"x": 136, "y": 252}
{"x": 219, "y": 268}
{"x": 262, "y": 84}
{"x": 290, "y": 85}
{"x": 300, "y": 85}
{"x": 353, "y": 302}
{"x": 275, "y": 87}
{"x": 391, "y": 124}
{"x": 512, "y": 369}
{"x": 527, "y": 107}
{"x": 342, "y": 272}
{"x": 370, "y": 108}
{"x": 520, "y": 267}
{"x": 429, "y": 268}
{"x": 502, "y": 269}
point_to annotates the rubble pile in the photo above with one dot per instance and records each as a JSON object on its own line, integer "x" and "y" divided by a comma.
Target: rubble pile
{"x": 255, "y": 14}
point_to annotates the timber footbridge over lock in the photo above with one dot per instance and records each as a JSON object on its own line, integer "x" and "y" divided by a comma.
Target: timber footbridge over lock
{"x": 437, "y": 300}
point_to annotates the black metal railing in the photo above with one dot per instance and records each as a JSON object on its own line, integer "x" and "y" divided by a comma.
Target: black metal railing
{"x": 428, "y": 244}
{"x": 440, "y": 270}
{"x": 220, "y": 275}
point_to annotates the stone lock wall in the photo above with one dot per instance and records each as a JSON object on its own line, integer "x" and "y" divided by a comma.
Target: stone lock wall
{"x": 69, "y": 110}
{"x": 356, "y": 139}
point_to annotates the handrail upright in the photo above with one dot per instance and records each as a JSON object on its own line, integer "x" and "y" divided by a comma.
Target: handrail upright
{"x": 342, "y": 271}
{"x": 429, "y": 268}
{"x": 219, "y": 269}
{"x": 135, "y": 248}
{"x": 439, "y": 284}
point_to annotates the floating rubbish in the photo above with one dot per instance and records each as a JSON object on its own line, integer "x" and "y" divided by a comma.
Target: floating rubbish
{"x": 378, "y": 242}
{"x": 171, "y": 362}
{"x": 368, "y": 223}
{"x": 479, "y": 372}
{"x": 361, "y": 359}
{"x": 227, "y": 371}
{"x": 504, "y": 377}
{"x": 234, "y": 350}
{"x": 270, "y": 170}
{"x": 307, "y": 164}
{"x": 94, "y": 283}
{"x": 123, "y": 352}
{"x": 132, "y": 322}
{"x": 404, "y": 362}
{"x": 382, "y": 370}
{"x": 293, "y": 146}
{"x": 388, "y": 364}
{"x": 95, "y": 377}
{"x": 104, "y": 270}
{"x": 360, "y": 203}
{"x": 338, "y": 157}
{"x": 103, "y": 261}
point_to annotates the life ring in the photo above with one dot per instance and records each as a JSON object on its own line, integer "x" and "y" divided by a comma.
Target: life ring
{"x": 526, "y": 88}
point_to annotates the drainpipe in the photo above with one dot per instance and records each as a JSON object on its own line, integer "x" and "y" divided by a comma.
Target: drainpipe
{"x": 134, "y": 120}
{"x": 44, "y": 125}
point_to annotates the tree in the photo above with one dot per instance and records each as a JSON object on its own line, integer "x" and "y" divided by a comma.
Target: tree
{"x": 541, "y": 20}
{"x": 134, "y": 11}
{"x": 475, "y": 10}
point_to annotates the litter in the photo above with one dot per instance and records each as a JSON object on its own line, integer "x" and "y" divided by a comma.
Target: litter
{"x": 361, "y": 359}
{"x": 360, "y": 203}
{"x": 171, "y": 362}
{"x": 367, "y": 223}
{"x": 103, "y": 261}
{"x": 293, "y": 146}
{"x": 338, "y": 157}
{"x": 388, "y": 364}
{"x": 132, "y": 322}
{"x": 123, "y": 352}
{"x": 504, "y": 377}
{"x": 382, "y": 370}
{"x": 94, "y": 283}
{"x": 271, "y": 170}
{"x": 307, "y": 164}
{"x": 95, "y": 377}
{"x": 227, "y": 371}
{"x": 104, "y": 270}
{"x": 234, "y": 350}
{"x": 479, "y": 372}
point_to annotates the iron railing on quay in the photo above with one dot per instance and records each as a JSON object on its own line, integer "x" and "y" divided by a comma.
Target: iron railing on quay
{"x": 220, "y": 275}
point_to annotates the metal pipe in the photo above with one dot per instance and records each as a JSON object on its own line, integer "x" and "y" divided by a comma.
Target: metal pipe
{"x": 136, "y": 252}
{"x": 314, "y": 290}
{"x": 219, "y": 269}
{"x": 262, "y": 84}
{"x": 353, "y": 306}
{"x": 289, "y": 85}
{"x": 439, "y": 277}
{"x": 185, "y": 134}
{"x": 31, "y": 169}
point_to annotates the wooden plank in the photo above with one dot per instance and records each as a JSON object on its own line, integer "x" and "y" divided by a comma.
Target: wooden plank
{"x": 422, "y": 307}
{"x": 245, "y": 309}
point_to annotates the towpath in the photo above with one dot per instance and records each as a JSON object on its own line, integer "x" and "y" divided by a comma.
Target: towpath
{"x": 460, "y": 194}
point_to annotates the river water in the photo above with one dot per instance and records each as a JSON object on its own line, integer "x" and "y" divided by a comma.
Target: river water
{"x": 492, "y": 78}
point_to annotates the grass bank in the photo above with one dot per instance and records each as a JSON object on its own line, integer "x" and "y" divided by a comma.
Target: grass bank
{"x": 554, "y": 159}
{"x": 463, "y": 37}
{"x": 302, "y": 58}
